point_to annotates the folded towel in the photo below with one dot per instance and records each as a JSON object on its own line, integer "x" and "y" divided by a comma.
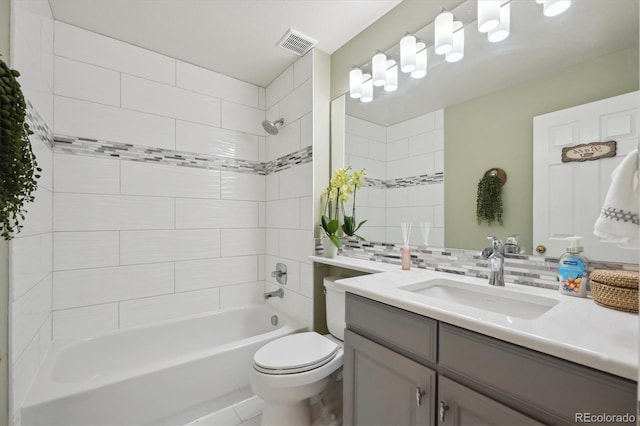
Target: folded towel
{"x": 618, "y": 220}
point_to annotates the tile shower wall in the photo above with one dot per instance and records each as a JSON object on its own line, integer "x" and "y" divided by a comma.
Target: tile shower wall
{"x": 405, "y": 166}
{"x": 289, "y": 203}
{"x": 141, "y": 232}
{"x": 31, "y": 251}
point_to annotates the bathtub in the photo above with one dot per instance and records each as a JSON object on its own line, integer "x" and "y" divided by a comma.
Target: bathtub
{"x": 166, "y": 373}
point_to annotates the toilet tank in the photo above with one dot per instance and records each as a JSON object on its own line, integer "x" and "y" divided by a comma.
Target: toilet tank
{"x": 335, "y": 303}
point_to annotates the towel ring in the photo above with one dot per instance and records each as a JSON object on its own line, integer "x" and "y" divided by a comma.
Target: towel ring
{"x": 496, "y": 171}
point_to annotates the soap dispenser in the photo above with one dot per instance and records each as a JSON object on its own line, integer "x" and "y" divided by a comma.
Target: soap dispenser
{"x": 573, "y": 269}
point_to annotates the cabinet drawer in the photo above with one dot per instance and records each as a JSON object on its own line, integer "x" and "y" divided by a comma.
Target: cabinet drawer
{"x": 555, "y": 389}
{"x": 406, "y": 332}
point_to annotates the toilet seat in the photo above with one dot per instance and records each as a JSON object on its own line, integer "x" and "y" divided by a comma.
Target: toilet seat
{"x": 295, "y": 353}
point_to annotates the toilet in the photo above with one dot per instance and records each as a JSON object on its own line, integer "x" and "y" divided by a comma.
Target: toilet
{"x": 288, "y": 371}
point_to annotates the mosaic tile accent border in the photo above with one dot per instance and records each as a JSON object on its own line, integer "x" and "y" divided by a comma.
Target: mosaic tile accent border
{"x": 404, "y": 182}
{"x": 125, "y": 151}
{"x": 534, "y": 271}
{"x": 38, "y": 125}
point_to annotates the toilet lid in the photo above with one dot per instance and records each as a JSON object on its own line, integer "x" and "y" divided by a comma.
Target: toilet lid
{"x": 295, "y": 353}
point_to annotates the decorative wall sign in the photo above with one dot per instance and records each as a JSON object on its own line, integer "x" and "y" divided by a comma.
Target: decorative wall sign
{"x": 589, "y": 151}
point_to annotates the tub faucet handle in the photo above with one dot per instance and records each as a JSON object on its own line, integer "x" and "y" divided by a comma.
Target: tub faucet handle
{"x": 280, "y": 274}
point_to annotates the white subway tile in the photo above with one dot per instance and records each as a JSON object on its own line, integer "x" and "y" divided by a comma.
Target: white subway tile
{"x": 85, "y": 322}
{"x": 24, "y": 371}
{"x": 215, "y": 84}
{"x": 86, "y": 287}
{"x": 194, "y": 213}
{"x": 242, "y": 242}
{"x": 298, "y": 307}
{"x": 30, "y": 262}
{"x": 377, "y": 151}
{"x": 293, "y": 272}
{"x": 159, "y": 308}
{"x": 426, "y": 142}
{"x": 78, "y": 250}
{"x": 307, "y": 207}
{"x": 86, "y": 46}
{"x": 46, "y": 337}
{"x": 198, "y": 274}
{"x": 375, "y": 216}
{"x": 272, "y": 183}
{"x": 262, "y": 98}
{"x": 87, "y": 82}
{"x": 262, "y": 214}
{"x": 438, "y": 216}
{"x": 242, "y": 186}
{"x": 296, "y": 181}
{"x": 413, "y": 126}
{"x": 96, "y": 121}
{"x": 272, "y": 241}
{"x": 306, "y": 131}
{"x": 438, "y": 162}
{"x": 203, "y": 139}
{"x": 397, "y": 150}
{"x": 303, "y": 69}
{"x": 232, "y": 296}
{"x": 395, "y": 215}
{"x": 357, "y": 145}
{"x": 261, "y": 267}
{"x": 306, "y": 280}
{"x": 242, "y": 118}
{"x": 414, "y": 166}
{"x": 273, "y": 113}
{"x": 249, "y": 409}
{"x": 156, "y": 98}
{"x": 296, "y": 244}
{"x": 375, "y": 169}
{"x": 377, "y": 197}
{"x": 139, "y": 178}
{"x": 426, "y": 195}
{"x": 280, "y": 87}
{"x": 297, "y": 103}
{"x": 366, "y": 129}
{"x": 283, "y": 213}
{"x": 439, "y": 119}
{"x": 285, "y": 142}
{"x": 76, "y": 173}
{"x": 88, "y": 212}
{"x": 38, "y": 216}
{"x": 164, "y": 246}
{"x": 28, "y": 313}
{"x": 397, "y": 197}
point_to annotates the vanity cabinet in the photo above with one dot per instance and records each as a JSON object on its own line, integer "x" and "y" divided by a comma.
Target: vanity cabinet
{"x": 391, "y": 353}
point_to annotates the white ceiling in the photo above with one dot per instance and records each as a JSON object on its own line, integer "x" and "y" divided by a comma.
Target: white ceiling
{"x": 234, "y": 37}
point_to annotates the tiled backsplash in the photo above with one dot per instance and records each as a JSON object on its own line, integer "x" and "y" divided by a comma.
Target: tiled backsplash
{"x": 535, "y": 271}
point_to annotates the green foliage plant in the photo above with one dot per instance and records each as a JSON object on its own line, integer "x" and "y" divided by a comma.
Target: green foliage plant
{"x": 349, "y": 226}
{"x": 489, "y": 200}
{"x": 18, "y": 166}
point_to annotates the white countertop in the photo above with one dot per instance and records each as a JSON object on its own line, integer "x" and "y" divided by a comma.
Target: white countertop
{"x": 576, "y": 329}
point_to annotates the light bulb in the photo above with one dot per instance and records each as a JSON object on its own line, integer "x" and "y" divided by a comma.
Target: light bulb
{"x": 379, "y": 69}
{"x": 555, "y": 7}
{"x": 488, "y": 15}
{"x": 355, "y": 83}
{"x": 408, "y": 53}
{"x": 443, "y": 32}
{"x": 457, "y": 52}
{"x": 421, "y": 61}
{"x": 392, "y": 76}
{"x": 367, "y": 88}
{"x": 501, "y": 32}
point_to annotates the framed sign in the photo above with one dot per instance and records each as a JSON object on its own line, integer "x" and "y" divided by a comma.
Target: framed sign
{"x": 589, "y": 151}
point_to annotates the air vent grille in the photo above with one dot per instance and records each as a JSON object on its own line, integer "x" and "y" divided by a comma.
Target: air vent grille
{"x": 295, "y": 42}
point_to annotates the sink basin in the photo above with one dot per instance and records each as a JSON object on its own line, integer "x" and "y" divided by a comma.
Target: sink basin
{"x": 494, "y": 299}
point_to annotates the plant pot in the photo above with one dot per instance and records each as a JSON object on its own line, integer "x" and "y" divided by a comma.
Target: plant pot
{"x": 330, "y": 250}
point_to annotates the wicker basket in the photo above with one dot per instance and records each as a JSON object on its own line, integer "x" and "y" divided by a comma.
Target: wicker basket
{"x": 615, "y": 289}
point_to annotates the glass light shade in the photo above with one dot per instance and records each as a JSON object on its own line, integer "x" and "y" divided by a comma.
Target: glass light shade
{"x": 391, "y": 84}
{"x": 421, "y": 61}
{"x": 379, "y": 69}
{"x": 457, "y": 52}
{"x": 555, "y": 7}
{"x": 367, "y": 88}
{"x": 408, "y": 53}
{"x": 488, "y": 15}
{"x": 355, "y": 83}
{"x": 501, "y": 32}
{"x": 443, "y": 32}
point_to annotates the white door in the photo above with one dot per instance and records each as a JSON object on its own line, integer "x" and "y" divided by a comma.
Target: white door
{"x": 567, "y": 197}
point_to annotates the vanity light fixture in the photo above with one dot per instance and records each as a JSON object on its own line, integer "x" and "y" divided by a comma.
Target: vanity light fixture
{"x": 379, "y": 69}
{"x": 355, "y": 83}
{"x": 408, "y": 53}
{"x": 555, "y": 7}
{"x": 421, "y": 61}
{"x": 443, "y": 32}
{"x": 367, "y": 88}
{"x": 501, "y": 32}
{"x": 457, "y": 52}
{"x": 488, "y": 15}
{"x": 391, "y": 84}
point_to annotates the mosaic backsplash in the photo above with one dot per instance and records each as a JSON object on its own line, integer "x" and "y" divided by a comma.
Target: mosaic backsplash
{"x": 38, "y": 125}
{"x": 534, "y": 271}
{"x": 125, "y": 151}
{"x": 404, "y": 182}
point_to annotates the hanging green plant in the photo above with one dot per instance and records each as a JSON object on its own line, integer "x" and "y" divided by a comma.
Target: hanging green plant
{"x": 18, "y": 165}
{"x": 489, "y": 200}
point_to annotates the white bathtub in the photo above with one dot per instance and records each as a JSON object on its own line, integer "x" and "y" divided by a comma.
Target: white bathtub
{"x": 167, "y": 373}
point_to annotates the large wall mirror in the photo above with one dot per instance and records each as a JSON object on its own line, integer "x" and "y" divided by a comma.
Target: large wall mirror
{"x": 426, "y": 145}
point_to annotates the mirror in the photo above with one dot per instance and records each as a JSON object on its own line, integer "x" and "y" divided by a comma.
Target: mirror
{"x": 485, "y": 104}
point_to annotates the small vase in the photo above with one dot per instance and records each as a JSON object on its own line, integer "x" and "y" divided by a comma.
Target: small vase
{"x": 406, "y": 258}
{"x": 330, "y": 250}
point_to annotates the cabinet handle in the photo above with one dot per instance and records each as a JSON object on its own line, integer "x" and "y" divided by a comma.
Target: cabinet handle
{"x": 443, "y": 409}
{"x": 419, "y": 394}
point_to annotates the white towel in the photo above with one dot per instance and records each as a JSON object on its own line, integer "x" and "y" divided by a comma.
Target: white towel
{"x": 618, "y": 220}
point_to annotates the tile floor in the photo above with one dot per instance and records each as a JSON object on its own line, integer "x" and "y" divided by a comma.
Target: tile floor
{"x": 243, "y": 413}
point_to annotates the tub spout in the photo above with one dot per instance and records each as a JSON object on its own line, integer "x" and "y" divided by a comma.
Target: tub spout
{"x": 277, "y": 293}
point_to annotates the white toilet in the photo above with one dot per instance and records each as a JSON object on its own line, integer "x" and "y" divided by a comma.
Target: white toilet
{"x": 288, "y": 371}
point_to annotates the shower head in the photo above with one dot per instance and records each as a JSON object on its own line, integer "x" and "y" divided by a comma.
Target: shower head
{"x": 271, "y": 127}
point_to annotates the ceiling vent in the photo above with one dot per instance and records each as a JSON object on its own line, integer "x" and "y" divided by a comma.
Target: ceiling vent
{"x": 295, "y": 42}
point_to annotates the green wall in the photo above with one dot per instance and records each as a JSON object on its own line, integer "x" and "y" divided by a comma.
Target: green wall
{"x": 496, "y": 130}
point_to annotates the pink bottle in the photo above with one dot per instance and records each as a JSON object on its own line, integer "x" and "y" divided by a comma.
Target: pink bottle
{"x": 406, "y": 258}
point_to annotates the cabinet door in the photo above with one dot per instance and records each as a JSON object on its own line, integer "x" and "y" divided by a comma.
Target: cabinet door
{"x": 382, "y": 387}
{"x": 461, "y": 406}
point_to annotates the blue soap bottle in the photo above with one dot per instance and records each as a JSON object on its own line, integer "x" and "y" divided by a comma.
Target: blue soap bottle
{"x": 573, "y": 271}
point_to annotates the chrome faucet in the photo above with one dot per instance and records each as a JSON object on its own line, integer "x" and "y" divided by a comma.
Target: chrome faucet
{"x": 276, "y": 293}
{"x": 495, "y": 254}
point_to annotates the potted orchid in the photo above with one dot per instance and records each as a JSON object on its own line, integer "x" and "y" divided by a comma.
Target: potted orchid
{"x": 349, "y": 226}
